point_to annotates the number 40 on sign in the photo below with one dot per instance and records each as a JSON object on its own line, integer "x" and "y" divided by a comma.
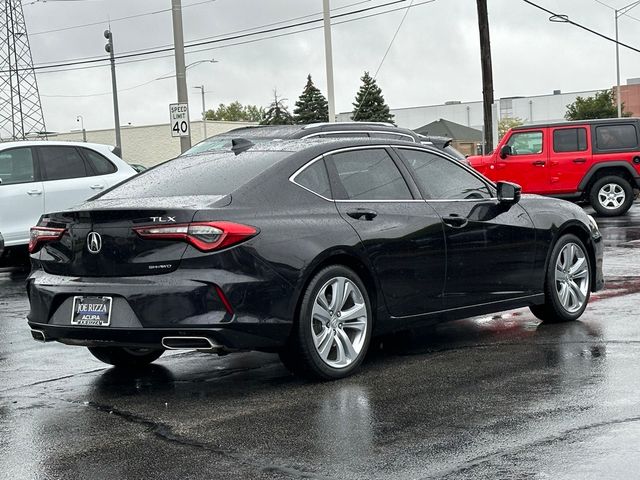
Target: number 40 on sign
{"x": 179, "y": 118}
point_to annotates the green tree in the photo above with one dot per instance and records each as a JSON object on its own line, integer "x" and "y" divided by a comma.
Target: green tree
{"x": 236, "y": 112}
{"x": 253, "y": 113}
{"x": 370, "y": 105}
{"x": 311, "y": 106}
{"x": 507, "y": 123}
{"x": 277, "y": 113}
{"x": 602, "y": 105}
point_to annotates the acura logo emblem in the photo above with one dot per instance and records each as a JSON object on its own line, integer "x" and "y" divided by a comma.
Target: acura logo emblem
{"x": 94, "y": 242}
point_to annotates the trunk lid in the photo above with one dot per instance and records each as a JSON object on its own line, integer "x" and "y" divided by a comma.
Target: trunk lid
{"x": 99, "y": 239}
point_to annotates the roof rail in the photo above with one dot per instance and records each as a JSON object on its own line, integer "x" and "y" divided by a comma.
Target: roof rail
{"x": 322, "y": 124}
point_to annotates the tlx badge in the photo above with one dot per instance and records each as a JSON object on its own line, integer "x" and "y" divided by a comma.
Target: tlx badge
{"x": 163, "y": 219}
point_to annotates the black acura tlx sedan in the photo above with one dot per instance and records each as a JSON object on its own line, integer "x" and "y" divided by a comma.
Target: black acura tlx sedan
{"x": 307, "y": 249}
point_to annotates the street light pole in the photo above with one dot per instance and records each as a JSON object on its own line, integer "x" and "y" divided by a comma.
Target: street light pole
{"x": 328, "y": 53}
{"x": 181, "y": 75}
{"x": 116, "y": 112}
{"x": 80, "y": 119}
{"x": 204, "y": 111}
{"x": 618, "y": 13}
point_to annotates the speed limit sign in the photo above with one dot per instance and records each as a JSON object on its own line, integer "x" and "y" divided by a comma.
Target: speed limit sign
{"x": 179, "y": 119}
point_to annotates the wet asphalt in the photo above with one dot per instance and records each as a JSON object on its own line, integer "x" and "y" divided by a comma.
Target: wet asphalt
{"x": 483, "y": 398}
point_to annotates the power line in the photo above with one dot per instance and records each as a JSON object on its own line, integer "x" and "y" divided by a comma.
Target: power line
{"x": 384, "y": 57}
{"x": 614, "y": 9}
{"x": 113, "y": 20}
{"x": 208, "y": 49}
{"x": 565, "y": 19}
{"x": 214, "y": 36}
{"x": 209, "y": 42}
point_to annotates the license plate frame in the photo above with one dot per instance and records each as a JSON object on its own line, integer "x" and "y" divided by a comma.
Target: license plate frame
{"x": 91, "y": 311}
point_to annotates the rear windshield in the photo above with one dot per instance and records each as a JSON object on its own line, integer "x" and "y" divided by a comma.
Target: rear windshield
{"x": 214, "y": 174}
{"x": 256, "y": 135}
{"x": 221, "y": 144}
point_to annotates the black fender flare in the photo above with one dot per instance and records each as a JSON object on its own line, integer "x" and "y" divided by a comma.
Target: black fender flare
{"x": 604, "y": 165}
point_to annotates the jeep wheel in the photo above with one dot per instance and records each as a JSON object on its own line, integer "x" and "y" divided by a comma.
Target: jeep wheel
{"x": 611, "y": 196}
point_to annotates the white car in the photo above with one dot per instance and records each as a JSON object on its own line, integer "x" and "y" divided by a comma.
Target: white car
{"x": 42, "y": 176}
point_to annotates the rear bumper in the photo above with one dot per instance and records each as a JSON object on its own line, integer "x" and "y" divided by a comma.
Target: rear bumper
{"x": 183, "y": 303}
{"x": 229, "y": 337}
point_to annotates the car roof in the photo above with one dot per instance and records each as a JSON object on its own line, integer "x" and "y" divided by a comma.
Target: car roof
{"x": 576, "y": 122}
{"x": 318, "y": 146}
{"x": 39, "y": 143}
{"x": 292, "y": 131}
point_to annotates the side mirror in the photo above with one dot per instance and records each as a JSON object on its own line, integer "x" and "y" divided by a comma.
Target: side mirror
{"x": 509, "y": 193}
{"x": 505, "y": 151}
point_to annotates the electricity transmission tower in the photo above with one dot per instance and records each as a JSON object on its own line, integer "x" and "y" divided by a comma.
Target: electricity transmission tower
{"x": 20, "y": 109}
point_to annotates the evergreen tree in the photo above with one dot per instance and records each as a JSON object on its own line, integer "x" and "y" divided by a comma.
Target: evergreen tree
{"x": 370, "y": 105}
{"x": 277, "y": 113}
{"x": 311, "y": 106}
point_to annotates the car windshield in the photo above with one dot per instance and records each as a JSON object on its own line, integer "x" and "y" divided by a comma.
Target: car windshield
{"x": 213, "y": 174}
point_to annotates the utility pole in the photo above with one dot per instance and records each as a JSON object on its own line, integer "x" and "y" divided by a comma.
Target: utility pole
{"x": 328, "y": 54}
{"x": 181, "y": 71}
{"x": 204, "y": 111}
{"x": 618, "y": 13}
{"x": 487, "y": 73}
{"x": 114, "y": 87}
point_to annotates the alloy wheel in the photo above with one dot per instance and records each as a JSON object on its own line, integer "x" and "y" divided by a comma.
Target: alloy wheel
{"x": 611, "y": 196}
{"x": 572, "y": 277}
{"x": 339, "y": 322}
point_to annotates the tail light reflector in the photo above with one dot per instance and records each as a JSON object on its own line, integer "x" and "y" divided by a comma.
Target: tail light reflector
{"x": 225, "y": 301}
{"x": 205, "y": 236}
{"x": 39, "y": 236}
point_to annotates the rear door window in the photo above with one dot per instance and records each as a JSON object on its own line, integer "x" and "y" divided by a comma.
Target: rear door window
{"x": 370, "y": 174}
{"x": 99, "y": 164}
{"x": 570, "y": 140}
{"x": 16, "y": 166}
{"x": 616, "y": 137}
{"x": 61, "y": 162}
{"x": 315, "y": 179}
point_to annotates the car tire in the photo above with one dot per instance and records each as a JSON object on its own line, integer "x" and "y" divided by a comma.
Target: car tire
{"x": 567, "y": 282}
{"x": 126, "y": 357}
{"x": 611, "y": 196}
{"x": 330, "y": 338}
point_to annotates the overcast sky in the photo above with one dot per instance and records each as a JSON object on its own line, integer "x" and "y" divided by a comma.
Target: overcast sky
{"x": 435, "y": 57}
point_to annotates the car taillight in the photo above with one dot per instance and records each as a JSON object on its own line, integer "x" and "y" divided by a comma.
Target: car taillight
{"x": 38, "y": 236}
{"x": 205, "y": 236}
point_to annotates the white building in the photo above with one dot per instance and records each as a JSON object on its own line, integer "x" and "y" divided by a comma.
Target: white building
{"x": 149, "y": 144}
{"x": 534, "y": 109}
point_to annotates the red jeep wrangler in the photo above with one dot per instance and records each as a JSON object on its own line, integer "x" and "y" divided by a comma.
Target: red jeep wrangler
{"x": 593, "y": 160}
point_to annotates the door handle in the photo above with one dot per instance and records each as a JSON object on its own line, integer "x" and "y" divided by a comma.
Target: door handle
{"x": 539, "y": 163}
{"x": 34, "y": 192}
{"x": 455, "y": 221}
{"x": 580, "y": 160}
{"x": 359, "y": 213}
{"x": 97, "y": 187}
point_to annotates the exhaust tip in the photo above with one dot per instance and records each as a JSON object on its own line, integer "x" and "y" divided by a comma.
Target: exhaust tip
{"x": 38, "y": 335}
{"x": 190, "y": 343}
